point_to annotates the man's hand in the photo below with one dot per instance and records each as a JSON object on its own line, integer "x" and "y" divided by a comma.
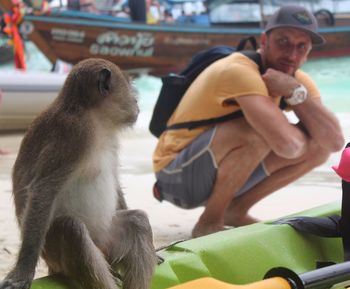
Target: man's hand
{"x": 279, "y": 83}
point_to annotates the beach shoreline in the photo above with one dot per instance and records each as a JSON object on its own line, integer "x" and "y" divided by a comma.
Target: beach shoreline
{"x": 168, "y": 222}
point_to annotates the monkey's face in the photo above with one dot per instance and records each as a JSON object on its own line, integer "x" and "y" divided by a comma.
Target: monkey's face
{"x": 131, "y": 97}
{"x": 100, "y": 86}
{"x": 122, "y": 101}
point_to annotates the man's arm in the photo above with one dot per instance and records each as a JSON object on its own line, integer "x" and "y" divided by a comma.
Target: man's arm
{"x": 320, "y": 124}
{"x": 285, "y": 140}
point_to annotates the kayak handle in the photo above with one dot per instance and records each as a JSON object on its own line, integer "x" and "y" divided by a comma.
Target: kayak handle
{"x": 322, "y": 278}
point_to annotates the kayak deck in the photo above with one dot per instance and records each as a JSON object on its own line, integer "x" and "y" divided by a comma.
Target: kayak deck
{"x": 243, "y": 255}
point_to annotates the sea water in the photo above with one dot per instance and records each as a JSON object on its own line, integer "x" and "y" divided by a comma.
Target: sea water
{"x": 332, "y": 75}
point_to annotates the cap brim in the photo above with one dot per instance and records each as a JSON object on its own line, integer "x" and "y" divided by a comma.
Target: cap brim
{"x": 316, "y": 39}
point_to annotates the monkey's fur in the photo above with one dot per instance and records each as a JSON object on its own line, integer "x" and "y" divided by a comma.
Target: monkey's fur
{"x": 68, "y": 200}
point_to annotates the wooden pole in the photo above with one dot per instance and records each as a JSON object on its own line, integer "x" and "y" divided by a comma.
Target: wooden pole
{"x": 262, "y": 15}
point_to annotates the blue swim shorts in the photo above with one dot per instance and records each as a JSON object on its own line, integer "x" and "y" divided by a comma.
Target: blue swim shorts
{"x": 188, "y": 180}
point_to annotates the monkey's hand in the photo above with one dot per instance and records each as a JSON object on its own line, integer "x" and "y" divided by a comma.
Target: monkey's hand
{"x": 17, "y": 281}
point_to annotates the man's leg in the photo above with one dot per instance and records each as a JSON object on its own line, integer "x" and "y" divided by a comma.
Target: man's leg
{"x": 238, "y": 150}
{"x": 282, "y": 172}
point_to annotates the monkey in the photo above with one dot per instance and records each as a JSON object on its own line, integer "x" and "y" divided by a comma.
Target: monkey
{"x": 68, "y": 199}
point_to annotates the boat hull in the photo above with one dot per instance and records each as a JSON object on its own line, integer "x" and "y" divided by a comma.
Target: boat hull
{"x": 24, "y": 95}
{"x": 155, "y": 49}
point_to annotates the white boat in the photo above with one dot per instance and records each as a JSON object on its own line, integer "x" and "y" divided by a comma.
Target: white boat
{"x": 24, "y": 95}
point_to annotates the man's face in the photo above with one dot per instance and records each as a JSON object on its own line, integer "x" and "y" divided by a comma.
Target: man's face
{"x": 285, "y": 49}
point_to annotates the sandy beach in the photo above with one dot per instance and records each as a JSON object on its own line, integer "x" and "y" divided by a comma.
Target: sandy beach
{"x": 168, "y": 222}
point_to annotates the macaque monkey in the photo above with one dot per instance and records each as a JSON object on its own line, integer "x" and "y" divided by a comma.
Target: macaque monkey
{"x": 68, "y": 200}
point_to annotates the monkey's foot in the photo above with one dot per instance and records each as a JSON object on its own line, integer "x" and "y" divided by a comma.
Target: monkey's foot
{"x": 15, "y": 284}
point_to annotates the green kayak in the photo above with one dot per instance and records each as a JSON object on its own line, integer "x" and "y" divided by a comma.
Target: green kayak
{"x": 244, "y": 255}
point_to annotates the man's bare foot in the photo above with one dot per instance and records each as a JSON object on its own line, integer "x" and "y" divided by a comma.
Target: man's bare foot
{"x": 237, "y": 220}
{"x": 206, "y": 229}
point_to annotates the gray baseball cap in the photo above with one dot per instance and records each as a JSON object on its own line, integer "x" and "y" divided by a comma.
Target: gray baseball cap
{"x": 296, "y": 17}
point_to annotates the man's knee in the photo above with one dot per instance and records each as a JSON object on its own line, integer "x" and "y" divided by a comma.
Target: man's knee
{"x": 317, "y": 155}
{"x": 239, "y": 134}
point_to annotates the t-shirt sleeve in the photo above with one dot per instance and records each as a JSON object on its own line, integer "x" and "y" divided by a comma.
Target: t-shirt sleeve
{"x": 309, "y": 84}
{"x": 240, "y": 79}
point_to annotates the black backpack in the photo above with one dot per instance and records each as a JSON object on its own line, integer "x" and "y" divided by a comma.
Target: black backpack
{"x": 175, "y": 86}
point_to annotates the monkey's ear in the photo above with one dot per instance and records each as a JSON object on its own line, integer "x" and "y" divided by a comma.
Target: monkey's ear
{"x": 104, "y": 81}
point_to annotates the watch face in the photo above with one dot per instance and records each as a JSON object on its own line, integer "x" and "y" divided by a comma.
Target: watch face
{"x": 298, "y": 96}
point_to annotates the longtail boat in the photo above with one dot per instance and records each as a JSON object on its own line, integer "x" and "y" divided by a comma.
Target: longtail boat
{"x": 71, "y": 36}
{"x": 24, "y": 95}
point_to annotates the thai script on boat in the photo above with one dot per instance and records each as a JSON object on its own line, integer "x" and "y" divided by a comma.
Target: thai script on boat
{"x": 115, "y": 44}
{"x": 60, "y": 34}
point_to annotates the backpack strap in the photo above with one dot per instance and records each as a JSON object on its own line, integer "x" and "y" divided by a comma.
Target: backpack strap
{"x": 256, "y": 57}
{"x": 243, "y": 43}
{"x": 198, "y": 123}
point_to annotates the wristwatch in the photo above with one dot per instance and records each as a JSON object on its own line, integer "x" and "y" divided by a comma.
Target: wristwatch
{"x": 298, "y": 95}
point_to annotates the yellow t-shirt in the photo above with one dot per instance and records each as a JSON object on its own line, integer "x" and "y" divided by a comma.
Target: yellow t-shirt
{"x": 209, "y": 97}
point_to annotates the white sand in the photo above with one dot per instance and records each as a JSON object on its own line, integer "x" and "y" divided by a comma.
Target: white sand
{"x": 169, "y": 223}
